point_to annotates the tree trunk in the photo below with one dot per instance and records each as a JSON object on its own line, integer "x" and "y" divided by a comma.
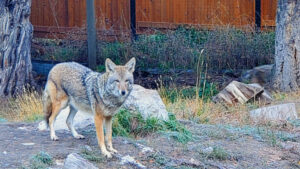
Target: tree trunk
{"x": 287, "y": 51}
{"x": 15, "y": 43}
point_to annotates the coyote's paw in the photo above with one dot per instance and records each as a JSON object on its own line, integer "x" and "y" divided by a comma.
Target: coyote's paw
{"x": 106, "y": 154}
{"x": 54, "y": 138}
{"x": 79, "y": 136}
{"x": 112, "y": 150}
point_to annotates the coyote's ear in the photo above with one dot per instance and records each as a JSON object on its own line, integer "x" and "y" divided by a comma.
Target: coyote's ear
{"x": 109, "y": 65}
{"x": 131, "y": 65}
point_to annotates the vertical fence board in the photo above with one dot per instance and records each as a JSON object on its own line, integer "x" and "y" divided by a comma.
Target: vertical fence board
{"x": 268, "y": 12}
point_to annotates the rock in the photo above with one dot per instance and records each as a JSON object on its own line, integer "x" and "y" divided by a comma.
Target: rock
{"x": 59, "y": 162}
{"x": 147, "y": 150}
{"x": 208, "y": 150}
{"x": 276, "y": 113}
{"x": 237, "y": 92}
{"x": 260, "y": 75}
{"x": 81, "y": 120}
{"x": 75, "y": 161}
{"x": 130, "y": 160}
{"x": 147, "y": 102}
{"x": 291, "y": 146}
{"x": 28, "y": 144}
{"x": 88, "y": 148}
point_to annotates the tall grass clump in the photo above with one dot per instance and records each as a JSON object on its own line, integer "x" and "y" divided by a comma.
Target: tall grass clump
{"x": 41, "y": 160}
{"x": 26, "y": 106}
{"x": 134, "y": 125}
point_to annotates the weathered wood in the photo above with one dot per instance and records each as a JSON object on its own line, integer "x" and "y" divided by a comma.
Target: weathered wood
{"x": 237, "y": 92}
{"x": 15, "y": 42}
{"x": 287, "y": 46}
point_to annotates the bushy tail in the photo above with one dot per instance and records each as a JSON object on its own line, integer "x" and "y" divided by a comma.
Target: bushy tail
{"x": 47, "y": 105}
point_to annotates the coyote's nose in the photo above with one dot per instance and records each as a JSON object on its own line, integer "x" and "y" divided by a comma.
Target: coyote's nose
{"x": 123, "y": 92}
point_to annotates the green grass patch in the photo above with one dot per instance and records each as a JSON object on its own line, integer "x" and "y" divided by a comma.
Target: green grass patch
{"x": 92, "y": 156}
{"x": 41, "y": 160}
{"x": 132, "y": 125}
{"x": 218, "y": 153}
{"x": 174, "y": 94}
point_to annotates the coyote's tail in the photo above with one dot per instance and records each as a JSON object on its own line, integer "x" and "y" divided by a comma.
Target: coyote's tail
{"x": 47, "y": 105}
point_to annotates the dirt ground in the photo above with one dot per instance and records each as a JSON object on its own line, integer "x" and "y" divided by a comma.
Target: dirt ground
{"x": 233, "y": 147}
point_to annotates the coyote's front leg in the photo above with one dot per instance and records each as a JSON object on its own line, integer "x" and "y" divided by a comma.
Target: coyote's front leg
{"x": 100, "y": 134}
{"x": 108, "y": 136}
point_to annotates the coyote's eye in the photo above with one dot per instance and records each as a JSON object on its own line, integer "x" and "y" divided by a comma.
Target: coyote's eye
{"x": 116, "y": 81}
{"x": 127, "y": 81}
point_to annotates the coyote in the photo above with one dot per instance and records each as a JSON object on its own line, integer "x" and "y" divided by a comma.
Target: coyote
{"x": 71, "y": 84}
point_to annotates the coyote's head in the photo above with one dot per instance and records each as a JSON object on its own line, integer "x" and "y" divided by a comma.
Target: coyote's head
{"x": 120, "y": 78}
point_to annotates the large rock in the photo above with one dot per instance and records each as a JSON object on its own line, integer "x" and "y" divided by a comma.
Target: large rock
{"x": 81, "y": 120}
{"x": 276, "y": 113}
{"x": 260, "y": 75}
{"x": 75, "y": 161}
{"x": 147, "y": 102}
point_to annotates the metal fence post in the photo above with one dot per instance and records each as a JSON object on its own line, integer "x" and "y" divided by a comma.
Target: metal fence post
{"x": 91, "y": 34}
{"x": 133, "y": 19}
{"x": 258, "y": 14}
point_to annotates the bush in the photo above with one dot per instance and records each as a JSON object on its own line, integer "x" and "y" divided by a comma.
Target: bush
{"x": 41, "y": 160}
{"x": 224, "y": 48}
{"x": 129, "y": 124}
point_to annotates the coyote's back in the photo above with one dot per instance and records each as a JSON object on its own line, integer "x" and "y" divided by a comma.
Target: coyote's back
{"x": 64, "y": 80}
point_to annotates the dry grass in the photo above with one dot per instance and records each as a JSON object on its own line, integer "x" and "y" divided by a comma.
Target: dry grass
{"x": 24, "y": 107}
{"x": 28, "y": 107}
{"x": 206, "y": 111}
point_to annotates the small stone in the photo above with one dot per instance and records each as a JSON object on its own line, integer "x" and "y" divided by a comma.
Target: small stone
{"x": 4, "y": 152}
{"x": 208, "y": 150}
{"x": 22, "y": 128}
{"x": 88, "y": 148}
{"x": 59, "y": 162}
{"x": 130, "y": 160}
{"x": 195, "y": 162}
{"x": 287, "y": 145}
{"x": 147, "y": 150}
{"x": 28, "y": 144}
{"x": 75, "y": 161}
{"x": 42, "y": 126}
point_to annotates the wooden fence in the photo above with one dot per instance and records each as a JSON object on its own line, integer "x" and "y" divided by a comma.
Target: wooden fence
{"x": 113, "y": 17}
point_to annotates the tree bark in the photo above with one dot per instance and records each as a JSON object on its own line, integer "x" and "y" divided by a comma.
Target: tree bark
{"x": 15, "y": 43}
{"x": 286, "y": 75}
